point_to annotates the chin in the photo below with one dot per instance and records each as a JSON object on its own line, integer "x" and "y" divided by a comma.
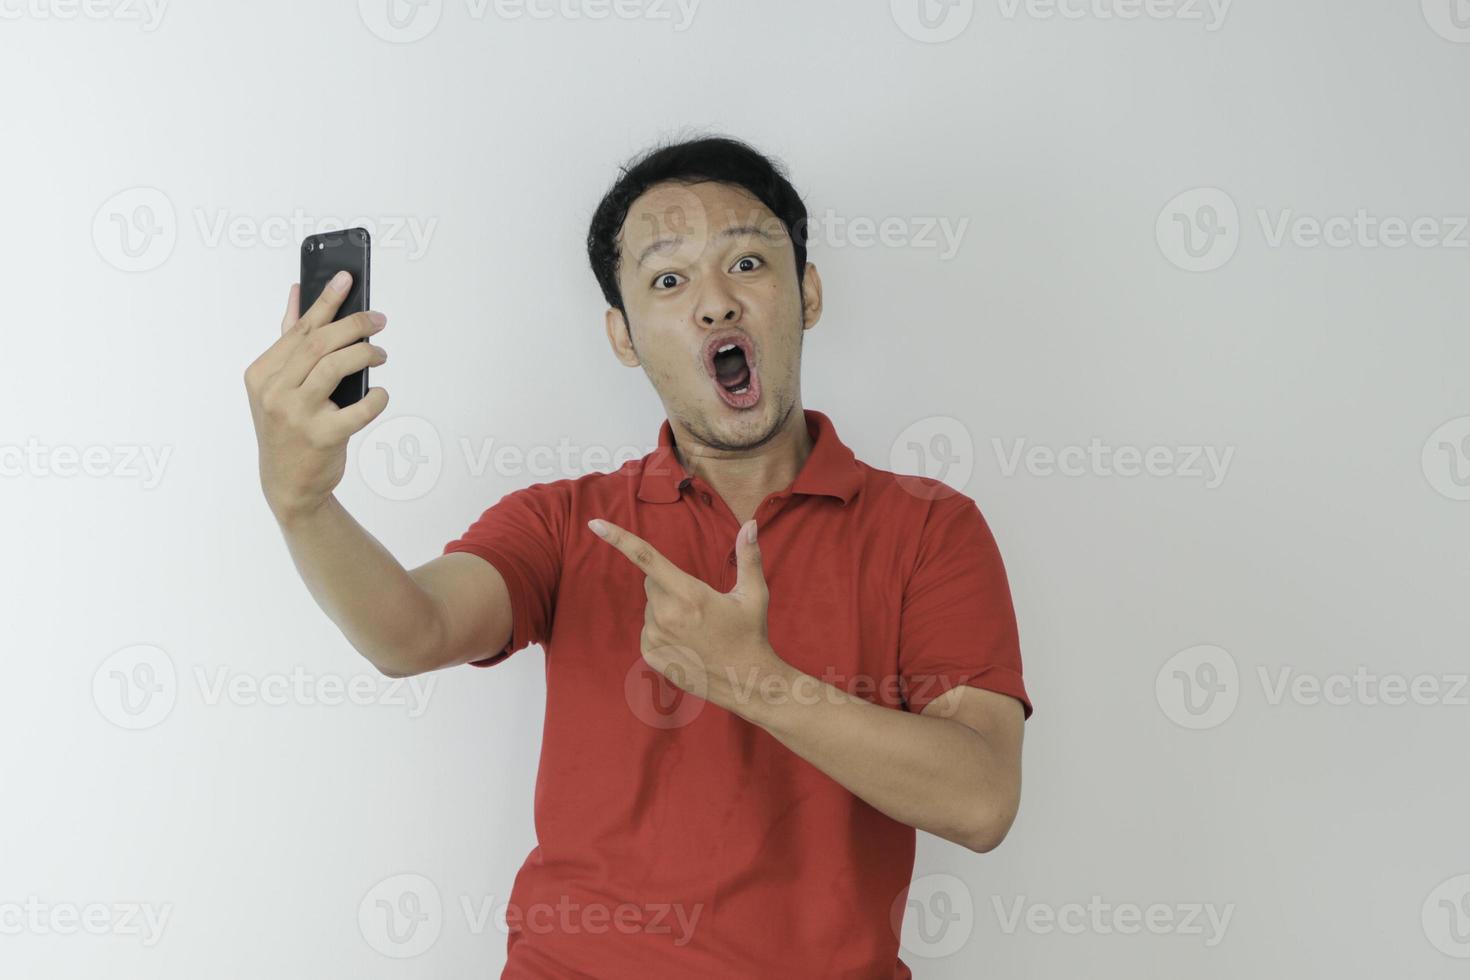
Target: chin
{"x": 748, "y": 428}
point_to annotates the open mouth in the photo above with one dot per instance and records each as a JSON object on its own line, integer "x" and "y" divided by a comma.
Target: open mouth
{"x": 730, "y": 361}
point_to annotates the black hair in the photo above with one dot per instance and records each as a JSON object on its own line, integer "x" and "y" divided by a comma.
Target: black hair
{"x": 716, "y": 158}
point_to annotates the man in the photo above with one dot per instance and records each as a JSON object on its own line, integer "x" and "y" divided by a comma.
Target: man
{"x": 766, "y": 661}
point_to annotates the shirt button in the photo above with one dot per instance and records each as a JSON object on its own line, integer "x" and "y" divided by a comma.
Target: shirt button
{"x": 704, "y": 497}
{"x": 730, "y": 558}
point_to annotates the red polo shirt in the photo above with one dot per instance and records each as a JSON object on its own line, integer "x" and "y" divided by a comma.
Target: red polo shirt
{"x": 675, "y": 839}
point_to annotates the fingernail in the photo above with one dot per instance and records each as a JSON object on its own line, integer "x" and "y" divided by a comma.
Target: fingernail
{"x": 339, "y": 281}
{"x": 597, "y": 528}
{"x": 377, "y": 318}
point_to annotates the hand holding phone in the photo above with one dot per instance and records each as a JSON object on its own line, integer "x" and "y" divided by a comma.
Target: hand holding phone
{"x": 301, "y": 434}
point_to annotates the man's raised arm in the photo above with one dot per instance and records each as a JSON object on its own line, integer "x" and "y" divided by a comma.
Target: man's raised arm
{"x": 449, "y": 611}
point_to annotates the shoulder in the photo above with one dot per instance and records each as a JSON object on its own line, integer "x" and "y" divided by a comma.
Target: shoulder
{"x": 918, "y": 500}
{"x": 932, "y": 528}
{"x": 593, "y": 490}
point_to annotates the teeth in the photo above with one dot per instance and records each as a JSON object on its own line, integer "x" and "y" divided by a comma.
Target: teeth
{"x": 725, "y": 348}
{"x": 741, "y": 391}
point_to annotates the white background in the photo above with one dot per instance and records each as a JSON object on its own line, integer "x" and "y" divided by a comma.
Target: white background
{"x": 1072, "y": 310}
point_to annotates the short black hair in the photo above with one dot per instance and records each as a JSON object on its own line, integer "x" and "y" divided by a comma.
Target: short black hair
{"x": 721, "y": 159}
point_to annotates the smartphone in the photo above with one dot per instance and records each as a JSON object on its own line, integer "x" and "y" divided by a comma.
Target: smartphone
{"x": 322, "y": 257}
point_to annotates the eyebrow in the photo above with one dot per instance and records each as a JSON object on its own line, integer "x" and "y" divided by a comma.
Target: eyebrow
{"x": 667, "y": 243}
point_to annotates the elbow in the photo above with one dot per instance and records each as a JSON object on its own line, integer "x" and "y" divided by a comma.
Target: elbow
{"x": 420, "y": 659}
{"x": 985, "y": 834}
{"x": 984, "y": 839}
{"x": 396, "y": 673}
{"x": 400, "y": 666}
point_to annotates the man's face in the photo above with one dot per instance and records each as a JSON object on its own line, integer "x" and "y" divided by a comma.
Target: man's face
{"x": 705, "y": 266}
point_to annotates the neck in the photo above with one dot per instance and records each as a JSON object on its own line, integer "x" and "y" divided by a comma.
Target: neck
{"x": 748, "y": 474}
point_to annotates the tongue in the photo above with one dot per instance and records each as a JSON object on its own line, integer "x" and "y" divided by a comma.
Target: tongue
{"x": 739, "y": 380}
{"x": 731, "y": 370}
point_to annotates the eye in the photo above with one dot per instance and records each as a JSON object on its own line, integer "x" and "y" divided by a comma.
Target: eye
{"x": 665, "y": 277}
{"x": 751, "y": 258}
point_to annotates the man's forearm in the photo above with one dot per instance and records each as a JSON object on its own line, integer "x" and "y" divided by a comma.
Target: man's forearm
{"x": 931, "y": 773}
{"x": 382, "y": 611}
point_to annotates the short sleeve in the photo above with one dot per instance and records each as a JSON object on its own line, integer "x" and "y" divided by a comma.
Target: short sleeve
{"x": 957, "y": 625}
{"x": 522, "y": 537}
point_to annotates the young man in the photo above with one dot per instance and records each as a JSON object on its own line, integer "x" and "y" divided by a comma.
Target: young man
{"x": 742, "y": 729}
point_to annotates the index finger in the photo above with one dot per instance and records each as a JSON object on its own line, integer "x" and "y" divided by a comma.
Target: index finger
{"x": 639, "y": 552}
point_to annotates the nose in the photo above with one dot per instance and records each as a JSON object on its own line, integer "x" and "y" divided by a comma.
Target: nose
{"x": 717, "y": 307}
{"x": 710, "y": 319}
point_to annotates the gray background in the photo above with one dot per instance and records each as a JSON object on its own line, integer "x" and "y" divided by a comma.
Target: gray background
{"x": 1102, "y": 289}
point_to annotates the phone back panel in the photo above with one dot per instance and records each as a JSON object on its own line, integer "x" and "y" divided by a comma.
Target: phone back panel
{"x": 322, "y": 257}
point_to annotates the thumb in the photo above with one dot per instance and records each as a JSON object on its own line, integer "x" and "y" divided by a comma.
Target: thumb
{"x": 750, "y": 576}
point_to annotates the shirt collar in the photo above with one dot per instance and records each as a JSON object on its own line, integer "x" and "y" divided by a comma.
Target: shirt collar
{"x": 830, "y": 469}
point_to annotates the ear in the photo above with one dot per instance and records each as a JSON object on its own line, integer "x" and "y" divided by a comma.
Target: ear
{"x": 811, "y": 301}
{"x": 619, "y": 338}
